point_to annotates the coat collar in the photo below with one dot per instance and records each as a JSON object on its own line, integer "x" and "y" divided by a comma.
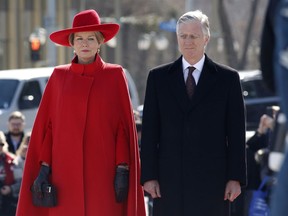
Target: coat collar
{"x": 207, "y": 79}
{"x": 87, "y": 69}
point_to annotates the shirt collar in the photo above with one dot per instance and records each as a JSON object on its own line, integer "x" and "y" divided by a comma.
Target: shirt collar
{"x": 199, "y": 65}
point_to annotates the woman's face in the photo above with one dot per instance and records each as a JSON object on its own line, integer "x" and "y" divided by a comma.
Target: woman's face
{"x": 85, "y": 46}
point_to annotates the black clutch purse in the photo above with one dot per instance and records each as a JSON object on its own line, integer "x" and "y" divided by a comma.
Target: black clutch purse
{"x": 46, "y": 198}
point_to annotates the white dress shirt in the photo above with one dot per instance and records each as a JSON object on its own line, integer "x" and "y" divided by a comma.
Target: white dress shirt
{"x": 198, "y": 69}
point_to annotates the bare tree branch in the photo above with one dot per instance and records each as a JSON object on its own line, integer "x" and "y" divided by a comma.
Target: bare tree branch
{"x": 248, "y": 35}
{"x": 230, "y": 52}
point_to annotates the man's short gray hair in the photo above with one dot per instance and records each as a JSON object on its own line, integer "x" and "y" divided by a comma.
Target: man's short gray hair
{"x": 196, "y": 15}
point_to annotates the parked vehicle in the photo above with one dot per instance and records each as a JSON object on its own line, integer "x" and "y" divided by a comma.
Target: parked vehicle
{"x": 22, "y": 89}
{"x": 257, "y": 97}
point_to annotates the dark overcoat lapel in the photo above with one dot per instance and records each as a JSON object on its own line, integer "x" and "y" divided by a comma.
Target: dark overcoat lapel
{"x": 177, "y": 85}
{"x": 205, "y": 84}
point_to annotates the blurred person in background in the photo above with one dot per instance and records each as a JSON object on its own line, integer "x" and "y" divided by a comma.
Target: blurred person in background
{"x": 138, "y": 122}
{"x": 274, "y": 66}
{"x": 257, "y": 147}
{"x": 260, "y": 141}
{"x": 19, "y": 163}
{"x": 15, "y": 133}
{"x": 85, "y": 128}
{"x": 22, "y": 150}
{"x": 8, "y": 202}
{"x": 193, "y": 129}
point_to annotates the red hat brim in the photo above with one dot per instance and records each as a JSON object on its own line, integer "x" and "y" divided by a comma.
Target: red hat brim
{"x": 109, "y": 30}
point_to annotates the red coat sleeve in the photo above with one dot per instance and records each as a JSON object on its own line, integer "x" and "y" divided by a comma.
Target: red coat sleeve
{"x": 135, "y": 204}
{"x": 39, "y": 150}
{"x": 46, "y": 150}
{"x": 122, "y": 146}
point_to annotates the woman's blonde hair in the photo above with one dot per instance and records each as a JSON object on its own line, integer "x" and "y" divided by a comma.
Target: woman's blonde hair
{"x": 24, "y": 144}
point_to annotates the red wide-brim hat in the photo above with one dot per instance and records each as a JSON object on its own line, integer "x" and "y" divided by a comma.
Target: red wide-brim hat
{"x": 85, "y": 21}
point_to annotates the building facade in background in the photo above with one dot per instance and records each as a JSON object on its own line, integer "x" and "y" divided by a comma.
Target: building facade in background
{"x": 141, "y": 43}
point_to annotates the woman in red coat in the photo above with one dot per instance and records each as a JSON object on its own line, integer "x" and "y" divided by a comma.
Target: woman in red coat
{"x": 84, "y": 139}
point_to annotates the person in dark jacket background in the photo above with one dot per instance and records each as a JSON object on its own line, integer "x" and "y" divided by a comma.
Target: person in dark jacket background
{"x": 274, "y": 66}
{"x": 193, "y": 150}
{"x": 8, "y": 202}
{"x": 15, "y": 133}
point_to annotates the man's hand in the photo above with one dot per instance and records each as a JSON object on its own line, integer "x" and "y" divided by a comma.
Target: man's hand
{"x": 266, "y": 122}
{"x": 232, "y": 191}
{"x": 153, "y": 188}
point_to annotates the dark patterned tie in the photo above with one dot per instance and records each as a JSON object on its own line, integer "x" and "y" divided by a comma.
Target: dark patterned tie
{"x": 190, "y": 83}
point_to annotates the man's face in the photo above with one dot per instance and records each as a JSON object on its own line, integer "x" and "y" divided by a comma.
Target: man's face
{"x": 191, "y": 41}
{"x": 16, "y": 126}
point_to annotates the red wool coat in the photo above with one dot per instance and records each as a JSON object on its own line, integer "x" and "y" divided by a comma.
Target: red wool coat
{"x": 84, "y": 127}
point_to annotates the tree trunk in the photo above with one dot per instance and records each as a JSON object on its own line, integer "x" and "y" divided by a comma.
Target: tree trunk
{"x": 243, "y": 60}
{"x": 228, "y": 38}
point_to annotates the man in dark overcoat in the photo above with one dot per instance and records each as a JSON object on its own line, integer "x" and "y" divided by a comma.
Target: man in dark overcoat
{"x": 193, "y": 143}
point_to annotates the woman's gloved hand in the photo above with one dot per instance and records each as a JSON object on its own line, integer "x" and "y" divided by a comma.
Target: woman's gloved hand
{"x": 121, "y": 183}
{"x": 42, "y": 178}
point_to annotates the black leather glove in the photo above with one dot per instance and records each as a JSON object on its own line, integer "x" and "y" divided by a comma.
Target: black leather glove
{"x": 41, "y": 179}
{"x": 121, "y": 184}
